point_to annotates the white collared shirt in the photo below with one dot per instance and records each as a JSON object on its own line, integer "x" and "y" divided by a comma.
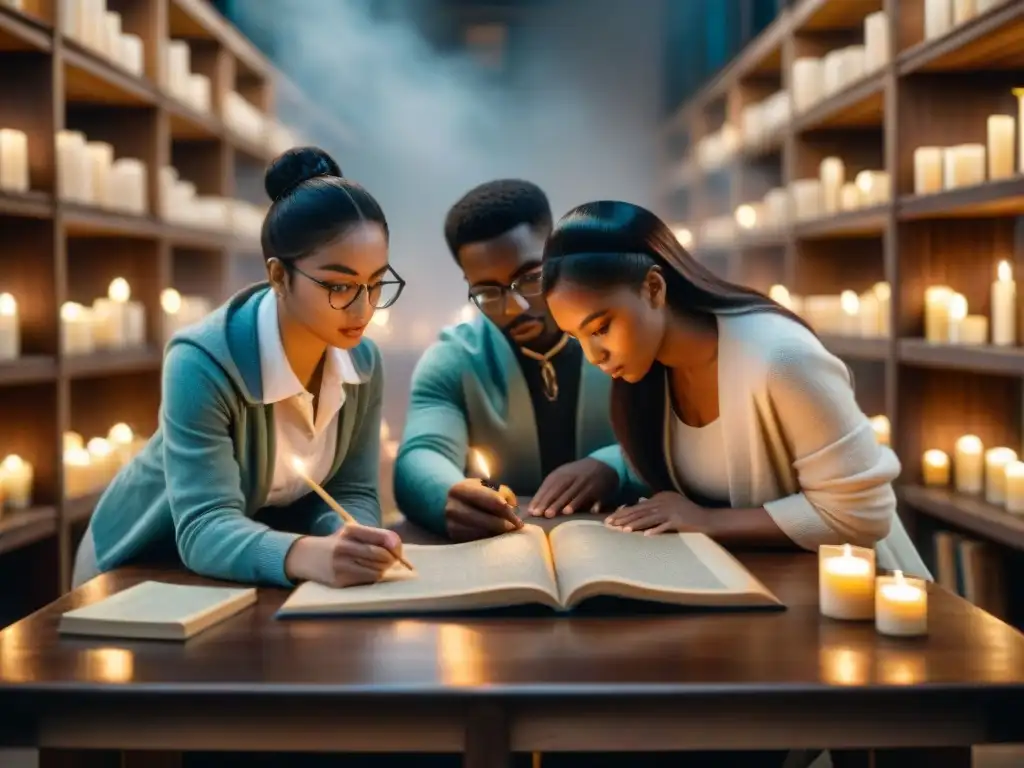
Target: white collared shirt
{"x": 297, "y": 435}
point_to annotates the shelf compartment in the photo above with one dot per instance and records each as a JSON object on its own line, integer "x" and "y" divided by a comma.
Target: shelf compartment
{"x": 22, "y": 527}
{"x": 114, "y": 363}
{"x": 90, "y": 79}
{"x": 970, "y": 513}
{"x": 863, "y": 223}
{"x": 859, "y": 105}
{"x": 89, "y": 221}
{"x": 1007, "y": 361}
{"x": 989, "y": 41}
{"x": 21, "y": 32}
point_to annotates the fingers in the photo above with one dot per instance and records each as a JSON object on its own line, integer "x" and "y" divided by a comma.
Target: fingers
{"x": 624, "y": 515}
{"x": 509, "y": 497}
{"x": 572, "y": 498}
{"x": 346, "y": 549}
{"x": 464, "y": 516}
{"x": 480, "y": 497}
{"x": 661, "y": 528}
{"x": 554, "y": 485}
{"x": 351, "y": 573}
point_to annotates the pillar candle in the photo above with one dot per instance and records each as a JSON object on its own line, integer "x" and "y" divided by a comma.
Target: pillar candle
{"x": 10, "y": 332}
{"x": 832, "y": 72}
{"x": 882, "y": 428}
{"x": 1019, "y": 93}
{"x": 876, "y": 40}
{"x": 901, "y": 606}
{"x": 74, "y": 177}
{"x": 16, "y": 478}
{"x": 72, "y": 439}
{"x": 13, "y": 160}
{"x": 807, "y": 83}
{"x": 935, "y": 468}
{"x": 76, "y": 330}
{"x": 104, "y": 458}
{"x": 79, "y": 476}
{"x": 868, "y": 315}
{"x": 968, "y": 461}
{"x": 846, "y": 582}
{"x": 110, "y": 316}
{"x": 938, "y": 18}
{"x": 883, "y": 295}
{"x": 101, "y": 160}
{"x": 806, "y": 198}
{"x": 831, "y": 172}
{"x": 123, "y": 440}
{"x": 1014, "y": 487}
{"x": 963, "y": 11}
{"x": 200, "y": 93}
{"x": 927, "y": 170}
{"x": 936, "y": 313}
{"x": 996, "y": 461}
{"x": 957, "y": 312}
{"x": 1000, "y": 147}
{"x": 746, "y": 216}
{"x": 849, "y": 197}
{"x": 964, "y": 165}
{"x": 111, "y": 42}
{"x": 132, "y": 54}
{"x": 849, "y": 302}
{"x": 869, "y": 183}
{"x": 974, "y": 330}
{"x": 1004, "y": 306}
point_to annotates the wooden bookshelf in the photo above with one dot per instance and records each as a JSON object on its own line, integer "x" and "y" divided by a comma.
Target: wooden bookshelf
{"x": 56, "y": 250}
{"x": 935, "y": 92}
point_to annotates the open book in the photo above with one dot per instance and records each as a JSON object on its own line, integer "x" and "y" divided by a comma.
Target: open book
{"x": 576, "y": 561}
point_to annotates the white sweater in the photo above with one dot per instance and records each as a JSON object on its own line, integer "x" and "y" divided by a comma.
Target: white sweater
{"x": 797, "y": 443}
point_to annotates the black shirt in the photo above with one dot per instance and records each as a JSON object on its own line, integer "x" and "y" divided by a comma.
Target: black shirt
{"x": 556, "y": 420}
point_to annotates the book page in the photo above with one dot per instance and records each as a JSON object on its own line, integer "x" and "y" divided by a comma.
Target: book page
{"x": 592, "y": 559}
{"x": 157, "y": 602}
{"x": 511, "y": 569}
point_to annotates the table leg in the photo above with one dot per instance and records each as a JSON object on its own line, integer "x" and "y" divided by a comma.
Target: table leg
{"x": 487, "y": 738}
{"x": 940, "y": 757}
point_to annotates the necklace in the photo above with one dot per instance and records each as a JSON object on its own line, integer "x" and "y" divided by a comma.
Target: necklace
{"x": 547, "y": 370}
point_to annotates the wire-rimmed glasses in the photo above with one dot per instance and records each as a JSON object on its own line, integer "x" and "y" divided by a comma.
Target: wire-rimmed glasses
{"x": 491, "y": 297}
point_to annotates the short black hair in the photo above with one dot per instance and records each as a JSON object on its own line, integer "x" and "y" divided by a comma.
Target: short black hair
{"x": 494, "y": 208}
{"x": 312, "y": 205}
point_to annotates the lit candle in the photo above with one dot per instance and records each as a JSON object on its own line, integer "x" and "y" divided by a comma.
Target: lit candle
{"x": 936, "y": 313}
{"x": 10, "y": 334}
{"x": 123, "y": 440}
{"x": 968, "y": 464}
{"x": 1019, "y": 93}
{"x": 883, "y": 430}
{"x": 806, "y": 198}
{"x": 996, "y": 461}
{"x": 16, "y": 480}
{"x": 831, "y": 172}
{"x": 935, "y": 468}
{"x": 13, "y": 160}
{"x": 938, "y": 18}
{"x": 780, "y": 295}
{"x": 876, "y": 40}
{"x": 974, "y": 330}
{"x": 1004, "y": 306}
{"x": 927, "y": 170}
{"x": 79, "y": 476}
{"x": 72, "y": 440}
{"x": 964, "y": 166}
{"x": 849, "y": 197}
{"x": 883, "y": 295}
{"x": 868, "y": 315}
{"x": 1014, "y": 487}
{"x": 76, "y": 330}
{"x": 104, "y": 458}
{"x": 850, "y": 304}
{"x": 1000, "y": 147}
{"x": 111, "y": 323}
{"x": 846, "y": 582}
{"x": 746, "y": 216}
{"x": 901, "y": 606}
{"x": 963, "y": 11}
{"x": 873, "y": 187}
{"x": 684, "y": 236}
{"x": 170, "y": 303}
{"x": 957, "y": 314}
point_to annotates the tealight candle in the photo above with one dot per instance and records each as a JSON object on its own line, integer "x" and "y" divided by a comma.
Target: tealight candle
{"x": 996, "y": 461}
{"x": 10, "y": 334}
{"x": 882, "y": 428}
{"x": 927, "y": 170}
{"x": 968, "y": 464}
{"x": 846, "y": 582}
{"x": 16, "y": 481}
{"x": 901, "y": 606}
{"x": 1004, "y": 306}
{"x": 1000, "y": 147}
{"x": 1014, "y": 487}
{"x": 13, "y": 160}
{"x": 935, "y": 468}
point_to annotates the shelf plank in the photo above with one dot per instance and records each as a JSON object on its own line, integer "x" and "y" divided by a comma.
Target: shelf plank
{"x": 866, "y": 222}
{"x": 91, "y": 79}
{"x": 829, "y": 15}
{"x": 113, "y": 363}
{"x": 187, "y": 124}
{"x": 90, "y": 221}
{"x": 1007, "y": 361}
{"x": 989, "y": 41}
{"x": 972, "y": 514}
{"x": 856, "y": 347}
{"x": 22, "y": 527}
{"x": 80, "y": 508}
{"x": 857, "y": 106}
{"x": 30, "y": 205}
{"x": 196, "y": 238}
{"x": 992, "y": 199}
{"x": 198, "y": 19}
{"x": 28, "y": 369}
{"x": 21, "y": 32}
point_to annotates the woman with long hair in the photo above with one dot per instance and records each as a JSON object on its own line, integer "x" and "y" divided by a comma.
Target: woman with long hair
{"x": 728, "y": 407}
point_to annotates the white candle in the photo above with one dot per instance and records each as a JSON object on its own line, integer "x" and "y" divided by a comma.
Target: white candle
{"x": 10, "y": 332}
{"x": 849, "y": 197}
{"x": 101, "y": 159}
{"x": 901, "y": 606}
{"x": 104, "y": 458}
{"x": 935, "y": 468}
{"x": 957, "y": 314}
{"x": 974, "y": 330}
{"x": 927, "y": 170}
{"x": 111, "y": 35}
{"x": 199, "y": 91}
{"x": 964, "y": 165}
{"x": 123, "y": 440}
{"x": 831, "y": 172}
{"x": 876, "y": 40}
{"x": 1019, "y": 93}
{"x": 996, "y": 461}
{"x": 76, "y": 330}
{"x": 807, "y": 83}
{"x": 128, "y": 184}
{"x": 806, "y": 198}
{"x": 111, "y": 325}
{"x": 1004, "y": 306}
{"x": 79, "y": 475}
{"x": 849, "y": 302}
{"x": 936, "y": 313}
{"x": 170, "y": 303}
{"x": 938, "y": 18}
{"x": 16, "y": 479}
{"x": 882, "y": 428}
{"x": 1014, "y": 487}
{"x": 72, "y": 440}
{"x": 746, "y": 216}
{"x": 963, "y": 11}
{"x": 74, "y": 177}
{"x": 13, "y": 160}
{"x": 132, "y": 54}
{"x": 968, "y": 464}
{"x": 846, "y": 582}
{"x": 868, "y": 315}
{"x": 1000, "y": 147}
{"x": 883, "y": 295}
{"x": 866, "y": 182}
{"x": 832, "y": 72}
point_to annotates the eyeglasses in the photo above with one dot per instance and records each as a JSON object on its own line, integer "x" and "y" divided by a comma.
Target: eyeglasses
{"x": 381, "y": 294}
{"x": 489, "y": 297}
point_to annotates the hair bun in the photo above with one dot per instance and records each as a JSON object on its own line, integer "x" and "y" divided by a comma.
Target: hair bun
{"x": 295, "y": 166}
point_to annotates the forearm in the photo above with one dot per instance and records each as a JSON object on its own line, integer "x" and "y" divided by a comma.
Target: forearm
{"x": 422, "y": 481}
{"x": 751, "y": 527}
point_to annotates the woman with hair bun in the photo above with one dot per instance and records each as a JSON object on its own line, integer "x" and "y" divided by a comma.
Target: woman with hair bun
{"x": 275, "y": 385}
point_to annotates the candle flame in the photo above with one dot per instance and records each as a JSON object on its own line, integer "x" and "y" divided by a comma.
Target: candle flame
{"x": 850, "y": 302}
{"x": 12, "y": 463}
{"x": 121, "y": 434}
{"x": 98, "y": 446}
{"x": 936, "y": 458}
{"x": 481, "y": 464}
{"x": 865, "y": 181}
{"x": 170, "y": 301}
{"x": 883, "y": 291}
{"x": 8, "y": 305}
{"x": 958, "y": 307}
{"x": 71, "y": 310}
{"x": 119, "y": 290}
{"x": 1004, "y": 271}
{"x": 684, "y": 236}
{"x": 746, "y": 216}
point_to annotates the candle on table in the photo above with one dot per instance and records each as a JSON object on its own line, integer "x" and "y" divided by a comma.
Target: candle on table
{"x": 882, "y": 428}
{"x": 938, "y": 18}
{"x": 10, "y": 333}
{"x": 1019, "y": 93}
{"x": 831, "y": 172}
{"x": 846, "y": 582}
{"x": 883, "y": 294}
{"x": 901, "y": 606}
{"x": 76, "y": 330}
{"x": 968, "y": 464}
{"x": 849, "y": 197}
{"x": 974, "y": 330}
{"x": 1004, "y": 306}
{"x": 13, "y": 160}
{"x": 996, "y": 461}
{"x": 935, "y": 468}
{"x": 1000, "y": 147}
{"x": 963, "y": 11}
{"x": 16, "y": 479}
{"x": 876, "y": 40}
{"x": 850, "y": 305}
{"x": 936, "y": 313}
{"x": 1013, "y": 489}
{"x": 957, "y": 313}
{"x": 927, "y": 170}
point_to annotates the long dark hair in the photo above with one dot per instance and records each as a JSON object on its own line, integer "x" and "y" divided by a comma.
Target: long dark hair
{"x": 607, "y": 244}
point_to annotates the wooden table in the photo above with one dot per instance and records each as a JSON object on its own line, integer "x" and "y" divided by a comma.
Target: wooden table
{"x": 703, "y": 681}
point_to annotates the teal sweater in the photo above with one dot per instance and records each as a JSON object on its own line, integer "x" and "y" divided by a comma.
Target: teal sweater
{"x": 208, "y": 468}
{"x": 468, "y": 390}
